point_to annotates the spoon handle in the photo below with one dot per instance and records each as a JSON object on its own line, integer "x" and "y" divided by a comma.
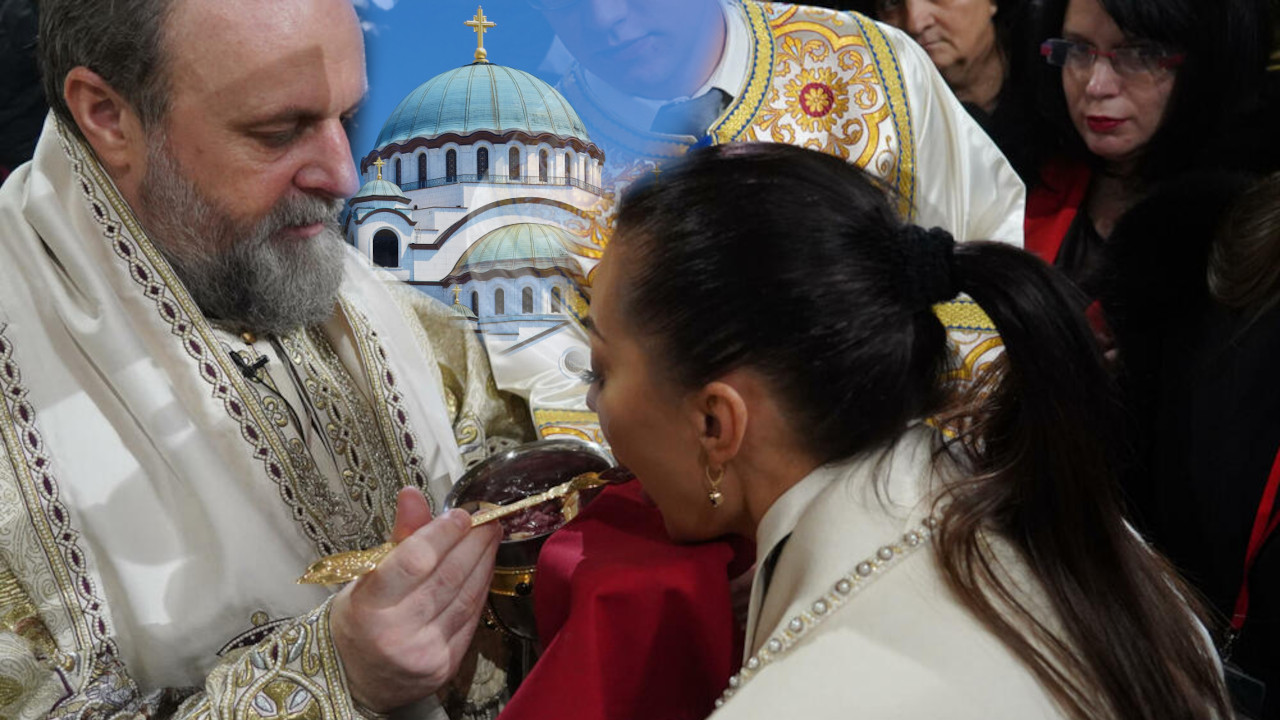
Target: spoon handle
{"x": 347, "y": 566}
{"x": 502, "y": 511}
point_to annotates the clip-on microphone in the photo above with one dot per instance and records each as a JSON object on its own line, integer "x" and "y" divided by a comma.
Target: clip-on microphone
{"x": 249, "y": 370}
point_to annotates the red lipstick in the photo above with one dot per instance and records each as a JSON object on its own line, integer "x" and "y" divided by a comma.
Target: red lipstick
{"x": 1102, "y": 123}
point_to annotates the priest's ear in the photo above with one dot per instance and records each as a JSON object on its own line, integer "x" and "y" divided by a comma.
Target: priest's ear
{"x": 719, "y": 415}
{"x": 108, "y": 122}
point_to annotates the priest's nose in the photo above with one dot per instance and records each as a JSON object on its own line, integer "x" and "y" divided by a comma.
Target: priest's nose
{"x": 327, "y": 168}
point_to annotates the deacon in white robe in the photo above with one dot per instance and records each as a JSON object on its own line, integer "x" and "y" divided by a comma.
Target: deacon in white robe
{"x": 653, "y": 78}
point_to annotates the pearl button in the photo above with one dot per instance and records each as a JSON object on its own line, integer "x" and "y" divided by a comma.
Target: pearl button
{"x": 775, "y": 645}
{"x": 864, "y": 569}
{"x": 753, "y": 663}
{"x": 844, "y": 587}
{"x": 885, "y": 553}
{"x": 820, "y": 607}
{"x": 796, "y": 624}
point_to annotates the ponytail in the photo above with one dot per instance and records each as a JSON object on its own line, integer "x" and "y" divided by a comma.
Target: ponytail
{"x": 794, "y": 264}
{"x": 1043, "y": 447}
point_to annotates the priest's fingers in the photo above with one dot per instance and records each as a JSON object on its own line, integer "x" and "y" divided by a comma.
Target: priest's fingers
{"x": 416, "y": 559}
{"x": 412, "y": 512}
{"x": 453, "y": 609}
{"x": 398, "y": 629}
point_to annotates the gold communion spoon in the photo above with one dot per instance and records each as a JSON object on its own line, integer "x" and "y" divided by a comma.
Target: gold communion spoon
{"x": 347, "y": 566}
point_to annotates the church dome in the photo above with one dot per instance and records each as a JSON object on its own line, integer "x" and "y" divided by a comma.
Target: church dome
{"x": 380, "y": 189}
{"x": 481, "y": 96}
{"x": 522, "y": 246}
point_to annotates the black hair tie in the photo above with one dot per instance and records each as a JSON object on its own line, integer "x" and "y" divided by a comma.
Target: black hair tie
{"x": 930, "y": 271}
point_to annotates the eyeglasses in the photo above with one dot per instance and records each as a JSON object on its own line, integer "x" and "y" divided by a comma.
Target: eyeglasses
{"x": 1151, "y": 60}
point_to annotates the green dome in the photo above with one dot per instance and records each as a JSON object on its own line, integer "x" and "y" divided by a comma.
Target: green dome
{"x": 379, "y": 189}
{"x": 481, "y": 96}
{"x": 518, "y": 247}
{"x": 462, "y": 311}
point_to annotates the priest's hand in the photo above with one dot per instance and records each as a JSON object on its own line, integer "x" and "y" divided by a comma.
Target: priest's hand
{"x": 402, "y": 629}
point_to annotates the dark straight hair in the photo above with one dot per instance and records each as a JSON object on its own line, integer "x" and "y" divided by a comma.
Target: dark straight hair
{"x": 1225, "y": 43}
{"x": 793, "y": 263}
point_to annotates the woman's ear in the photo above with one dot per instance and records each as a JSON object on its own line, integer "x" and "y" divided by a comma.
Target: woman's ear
{"x": 719, "y": 415}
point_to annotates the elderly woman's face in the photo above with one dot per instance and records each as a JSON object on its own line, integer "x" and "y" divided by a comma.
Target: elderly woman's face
{"x": 955, "y": 33}
{"x": 1116, "y": 112}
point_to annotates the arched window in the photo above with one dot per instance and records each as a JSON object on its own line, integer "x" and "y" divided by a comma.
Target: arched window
{"x": 386, "y": 249}
{"x": 475, "y": 303}
{"x": 422, "y": 170}
{"x": 513, "y": 163}
{"x": 397, "y": 171}
{"x": 482, "y": 163}
{"x": 451, "y": 166}
{"x": 568, "y": 165}
{"x": 542, "y": 165}
{"x": 556, "y": 300}
{"x": 526, "y": 301}
{"x": 499, "y": 302}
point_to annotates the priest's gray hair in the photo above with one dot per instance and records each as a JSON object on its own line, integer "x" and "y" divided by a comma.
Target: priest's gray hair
{"x": 120, "y": 40}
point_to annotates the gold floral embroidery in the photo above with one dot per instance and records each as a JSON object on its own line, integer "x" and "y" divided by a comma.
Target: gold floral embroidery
{"x": 816, "y": 99}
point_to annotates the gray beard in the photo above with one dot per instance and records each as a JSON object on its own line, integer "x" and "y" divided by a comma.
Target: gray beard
{"x": 245, "y": 277}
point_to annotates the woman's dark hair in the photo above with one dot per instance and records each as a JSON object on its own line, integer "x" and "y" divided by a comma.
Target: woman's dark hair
{"x": 1244, "y": 263}
{"x": 1225, "y": 43}
{"x": 793, "y": 263}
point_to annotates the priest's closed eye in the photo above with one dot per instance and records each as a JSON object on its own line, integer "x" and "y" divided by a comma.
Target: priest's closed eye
{"x": 277, "y": 137}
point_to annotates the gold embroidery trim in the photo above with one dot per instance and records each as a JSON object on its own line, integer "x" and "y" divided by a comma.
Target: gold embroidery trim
{"x": 88, "y": 626}
{"x": 387, "y": 400}
{"x": 747, "y": 104}
{"x": 896, "y": 97}
{"x": 963, "y": 314}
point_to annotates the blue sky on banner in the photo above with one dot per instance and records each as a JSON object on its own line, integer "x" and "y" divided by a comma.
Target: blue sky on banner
{"x": 408, "y": 42}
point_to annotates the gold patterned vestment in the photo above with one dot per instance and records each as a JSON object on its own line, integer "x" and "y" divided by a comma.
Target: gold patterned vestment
{"x": 832, "y": 81}
{"x": 157, "y": 500}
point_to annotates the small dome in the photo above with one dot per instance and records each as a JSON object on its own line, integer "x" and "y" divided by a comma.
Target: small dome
{"x": 481, "y": 96}
{"x": 462, "y": 311}
{"x": 521, "y": 246}
{"x": 380, "y": 189}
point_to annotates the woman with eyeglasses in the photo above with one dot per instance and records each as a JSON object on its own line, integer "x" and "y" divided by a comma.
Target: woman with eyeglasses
{"x": 766, "y": 358}
{"x": 1139, "y": 91}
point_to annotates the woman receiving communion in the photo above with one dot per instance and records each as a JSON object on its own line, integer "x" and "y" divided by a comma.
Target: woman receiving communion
{"x": 765, "y": 358}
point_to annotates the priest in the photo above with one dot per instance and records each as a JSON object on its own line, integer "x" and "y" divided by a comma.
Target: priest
{"x": 203, "y": 389}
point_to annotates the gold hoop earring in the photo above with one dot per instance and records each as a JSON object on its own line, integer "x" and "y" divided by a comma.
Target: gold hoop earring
{"x": 715, "y": 496}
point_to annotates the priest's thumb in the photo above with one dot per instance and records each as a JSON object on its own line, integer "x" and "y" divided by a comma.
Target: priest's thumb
{"x": 412, "y": 512}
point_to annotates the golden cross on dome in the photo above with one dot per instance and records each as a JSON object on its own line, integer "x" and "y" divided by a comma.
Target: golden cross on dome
{"x": 379, "y": 163}
{"x": 456, "y": 290}
{"x": 480, "y": 24}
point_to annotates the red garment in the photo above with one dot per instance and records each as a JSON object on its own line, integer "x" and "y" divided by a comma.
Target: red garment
{"x": 634, "y": 625}
{"x": 1052, "y": 206}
